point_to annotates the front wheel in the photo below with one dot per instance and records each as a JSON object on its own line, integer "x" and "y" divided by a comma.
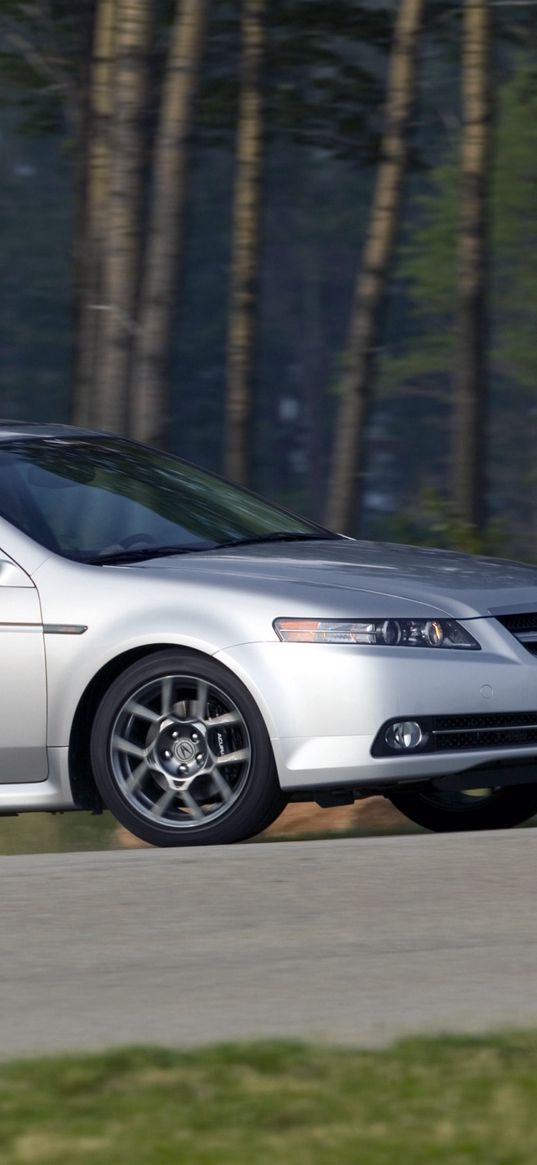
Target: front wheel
{"x": 443, "y": 811}
{"x": 181, "y": 755}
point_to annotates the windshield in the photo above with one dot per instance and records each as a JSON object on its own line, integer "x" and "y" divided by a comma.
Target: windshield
{"x": 105, "y": 499}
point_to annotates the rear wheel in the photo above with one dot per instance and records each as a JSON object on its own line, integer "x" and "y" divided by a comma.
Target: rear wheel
{"x": 181, "y": 755}
{"x": 443, "y": 811}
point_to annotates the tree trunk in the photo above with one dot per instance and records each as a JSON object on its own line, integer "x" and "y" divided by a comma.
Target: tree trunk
{"x": 124, "y": 210}
{"x": 245, "y": 245}
{"x": 469, "y": 429}
{"x": 149, "y": 417}
{"x": 346, "y": 487}
{"x": 92, "y": 224}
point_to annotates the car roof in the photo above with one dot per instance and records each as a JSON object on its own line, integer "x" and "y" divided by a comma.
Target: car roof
{"x": 10, "y": 429}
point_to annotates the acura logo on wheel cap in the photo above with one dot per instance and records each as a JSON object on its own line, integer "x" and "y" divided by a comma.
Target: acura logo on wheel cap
{"x": 184, "y": 750}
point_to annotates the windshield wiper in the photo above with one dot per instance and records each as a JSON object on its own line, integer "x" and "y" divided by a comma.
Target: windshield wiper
{"x": 283, "y": 537}
{"x": 145, "y": 553}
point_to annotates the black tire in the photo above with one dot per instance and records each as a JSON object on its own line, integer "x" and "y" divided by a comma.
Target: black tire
{"x": 141, "y": 753}
{"x": 445, "y": 812}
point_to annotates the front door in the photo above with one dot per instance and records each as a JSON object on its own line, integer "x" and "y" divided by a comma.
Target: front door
{"x": 23, "y": 754}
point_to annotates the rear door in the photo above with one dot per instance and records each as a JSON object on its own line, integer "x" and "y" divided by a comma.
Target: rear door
{"x": 23, "y": 697}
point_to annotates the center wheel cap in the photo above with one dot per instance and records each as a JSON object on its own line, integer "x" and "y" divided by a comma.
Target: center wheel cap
{"x": 180, "y": 751}
{"x": 184, "y": 751}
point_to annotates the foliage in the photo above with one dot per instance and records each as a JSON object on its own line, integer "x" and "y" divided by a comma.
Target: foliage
{"x": 327, "y": 67}
{"x": 329, "y": 73}
{"x": 432, "y": 521}
{"x": 421, "y": 365}
{"x": 43, "y": 59}
{"x": 427, "y": 261}
{"x": 515, "y": 228}
{"x": 324, "y": 81}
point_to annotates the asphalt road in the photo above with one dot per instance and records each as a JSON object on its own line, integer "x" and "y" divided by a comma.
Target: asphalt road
{"x": 354, "y": 941}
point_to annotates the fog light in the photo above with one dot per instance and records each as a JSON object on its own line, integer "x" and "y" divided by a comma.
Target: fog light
{"x": 404, "y": 735}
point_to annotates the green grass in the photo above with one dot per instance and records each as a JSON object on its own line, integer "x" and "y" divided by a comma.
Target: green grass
{"x": 55, "y": 833}
{"x": 449, "y": 1101}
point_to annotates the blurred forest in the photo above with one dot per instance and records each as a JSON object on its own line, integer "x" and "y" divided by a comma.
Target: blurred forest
{"x": 293, "y": 241}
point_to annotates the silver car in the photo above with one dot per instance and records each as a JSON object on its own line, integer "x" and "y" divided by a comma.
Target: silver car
{"x": 192, "y": 657}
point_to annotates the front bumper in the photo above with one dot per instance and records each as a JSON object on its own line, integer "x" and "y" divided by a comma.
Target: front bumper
{"x": 325, "y": 704}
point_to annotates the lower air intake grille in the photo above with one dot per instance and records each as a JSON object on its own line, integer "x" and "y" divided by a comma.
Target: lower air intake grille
{"x": 523, "y": 627}
{"x": 492, "y": 730}
{"x": 465, "y": 733}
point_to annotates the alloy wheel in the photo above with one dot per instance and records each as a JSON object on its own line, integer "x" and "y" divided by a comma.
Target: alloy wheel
{"x": 180, "y": 751}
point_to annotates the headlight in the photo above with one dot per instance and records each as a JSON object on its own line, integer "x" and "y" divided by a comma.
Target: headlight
{"x": 433, "y": 633}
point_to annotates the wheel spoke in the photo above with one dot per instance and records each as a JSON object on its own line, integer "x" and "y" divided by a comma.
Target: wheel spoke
{"x": 192, "y": 804}
{"x": 233, "y": 758}
{"x": 166, "y": 691}
{"x": 160, "y": 806}
{"x": 136, "y": 777}
{"x": 222, "y": 786}
{"x": 140, "y": 710}
{"x": 128, "y": 747}
{"x": 199, "y": 705}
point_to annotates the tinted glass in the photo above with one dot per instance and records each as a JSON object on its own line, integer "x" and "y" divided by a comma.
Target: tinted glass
{"x": 92, "y": 498}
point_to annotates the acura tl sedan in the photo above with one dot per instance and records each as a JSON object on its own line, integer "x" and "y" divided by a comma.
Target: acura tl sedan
{"x": 192, "y": 657}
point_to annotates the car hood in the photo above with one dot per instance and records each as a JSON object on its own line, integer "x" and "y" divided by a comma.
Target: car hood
{"x": 362, "y": 576}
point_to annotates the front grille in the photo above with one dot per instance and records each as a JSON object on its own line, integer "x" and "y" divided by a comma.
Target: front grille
{"x": 464, "y": 733}
{"x": 523, "y": 627}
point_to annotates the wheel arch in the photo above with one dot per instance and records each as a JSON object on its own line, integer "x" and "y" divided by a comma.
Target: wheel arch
{"x": 83, "y": 785}
{"x": 84, "y": 790}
